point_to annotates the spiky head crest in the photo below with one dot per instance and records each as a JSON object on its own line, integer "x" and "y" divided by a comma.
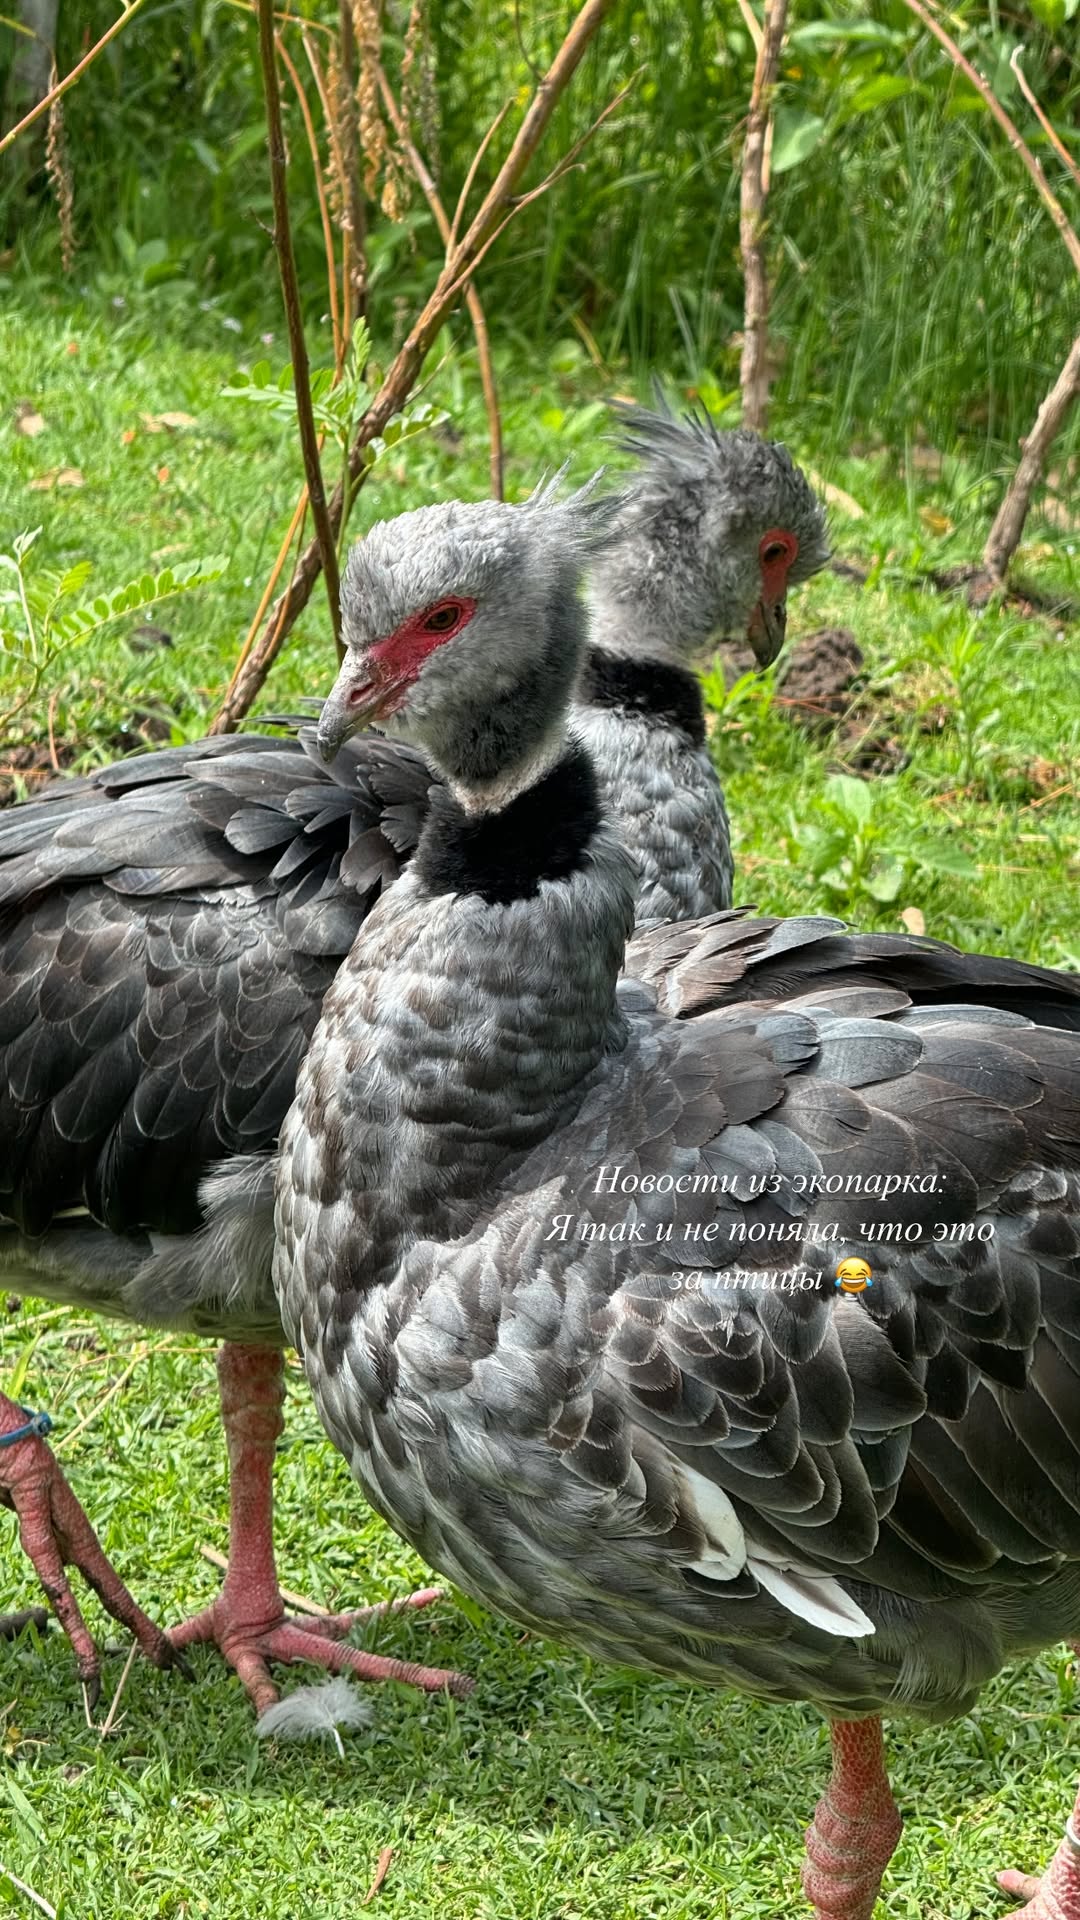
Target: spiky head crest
{"x": 684, "y": 552}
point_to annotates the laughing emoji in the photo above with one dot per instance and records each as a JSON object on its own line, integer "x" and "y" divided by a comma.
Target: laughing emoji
{"x": 853, "y": 1275}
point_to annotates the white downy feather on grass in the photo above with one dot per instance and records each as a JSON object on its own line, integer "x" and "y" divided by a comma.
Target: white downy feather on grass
{"x": 314, "y": 1712}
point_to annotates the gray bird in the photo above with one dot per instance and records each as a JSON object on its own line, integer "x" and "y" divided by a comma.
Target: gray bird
{"x": 167, "y": 931}
{"x": 573, "y": 1257}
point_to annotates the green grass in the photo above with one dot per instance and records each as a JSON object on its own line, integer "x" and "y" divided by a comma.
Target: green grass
{"x": 561, "y": 1789}
{"x": 980, "y": 710}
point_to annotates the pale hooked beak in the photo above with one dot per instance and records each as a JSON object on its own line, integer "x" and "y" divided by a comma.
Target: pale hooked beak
{"x": 768, "y": 625}
{"x": 358, "y": 697}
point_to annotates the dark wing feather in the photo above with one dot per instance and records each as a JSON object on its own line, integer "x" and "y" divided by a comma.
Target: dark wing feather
{"x": 168, "y": 927}
{"x": 922, "y": 1441}
{"x": 700, "y": 965}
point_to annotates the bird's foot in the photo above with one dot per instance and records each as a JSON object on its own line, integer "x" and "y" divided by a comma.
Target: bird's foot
{"x": 855, "y": 1828}
{"x": 251, "y": 1628}
{"x": 55, "y": 1533}
{"x": 1054, "y": 1896}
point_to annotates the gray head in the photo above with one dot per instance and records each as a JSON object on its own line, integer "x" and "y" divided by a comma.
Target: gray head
{"x": 464, "y": 632}
{"x": 707, "y": 542}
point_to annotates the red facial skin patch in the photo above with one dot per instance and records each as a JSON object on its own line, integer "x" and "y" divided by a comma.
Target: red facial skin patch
{"x": 777, "y": 554}
{"x": 394, "y": 664}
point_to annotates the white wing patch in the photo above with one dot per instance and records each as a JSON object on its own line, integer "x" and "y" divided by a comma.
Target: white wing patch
{"x": 725, "y": 1555}
{"x": 814, "y": 1597}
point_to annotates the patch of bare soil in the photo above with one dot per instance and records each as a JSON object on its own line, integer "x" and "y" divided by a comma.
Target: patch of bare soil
{"x": 818, "y": 678}
{"x": 822, "y": 676}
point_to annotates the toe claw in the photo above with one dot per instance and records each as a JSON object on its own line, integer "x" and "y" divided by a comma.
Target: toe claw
{"x": 55, "y": 1534}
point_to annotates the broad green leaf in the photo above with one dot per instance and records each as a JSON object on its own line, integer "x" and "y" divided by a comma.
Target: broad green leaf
{"x": 827, "y": 33}
{"x": 16, "y": 1380}
{"x": 850, "y": 795}
{"x": 76, "y": 577}
{"x": 152, "y": 253}
{"x": 207, "y": 156}
{"x": 796, "y": 134}
{"x": 879, "y": 91}
{"x": 885, "y": 880}
{"x": 946, "y": 860}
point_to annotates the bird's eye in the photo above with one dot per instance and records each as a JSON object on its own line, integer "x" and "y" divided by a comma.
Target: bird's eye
{"x": 774, "y": 550}
{"x": 441, "y": 619}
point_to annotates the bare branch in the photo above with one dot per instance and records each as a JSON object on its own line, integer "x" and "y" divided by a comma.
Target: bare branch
{"x": 324, "y": 533}
{"x": 754, "y": 368}
{"x": 565, "y": 166}
{"x": 1004, "y": 536}
{"x": 1042, "y": 117}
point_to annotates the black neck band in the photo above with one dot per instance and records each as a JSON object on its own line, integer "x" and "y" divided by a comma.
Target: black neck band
{"x": 542, "y": 835}
{"x": 669, "y": 695}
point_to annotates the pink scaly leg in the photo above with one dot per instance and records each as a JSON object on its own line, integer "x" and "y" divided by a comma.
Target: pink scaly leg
{"x": 55, "y": 1533}
{"x": 1056, "y": 1896}
{"x": 855, "y": 1828}
{"x": 247, "y": 1621}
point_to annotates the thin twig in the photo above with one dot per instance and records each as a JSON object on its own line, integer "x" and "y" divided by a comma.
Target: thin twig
{"x": 51, "y": 718}
{"x": 109, "y": 1721}
{"x": 339, "y": 172}
{"x": 401, "y": 375}
{"x": 67, "y": 1439}
{"x": 1011, "y": 131}
{"x": 751, "y": 23}
{"x": 21, "y": 1887}
{"x": 290, "y": 290}
{"x": 69, "y": 79}
{"x": 472, "y": 298}
{"x": 1042, "y": 117}
{"x": 474, "y": 167}
{"x": 753, "y": 26}
{"x": 565, "y": 166}
{"x": 320, "y": 191}
{"x": 753, "y": 195}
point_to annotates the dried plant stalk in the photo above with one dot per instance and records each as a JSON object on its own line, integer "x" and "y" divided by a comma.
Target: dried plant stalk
{"x": 58, "y": 172}
{"x": 754, "y": 368}
{"x": 354, "y": 263}
{"x": 367, "y": 26}
{"x": 1042, "y": 116}
{"x": 500, "y": 203}
{"x": 1004, "y": 536}
{"x": 69, "y": 79}
{"x": 472, "y": 298}
{"x": 309, "y": 441}
{"x": 324, "y": 211}
{"x": 1015, "y": 138}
